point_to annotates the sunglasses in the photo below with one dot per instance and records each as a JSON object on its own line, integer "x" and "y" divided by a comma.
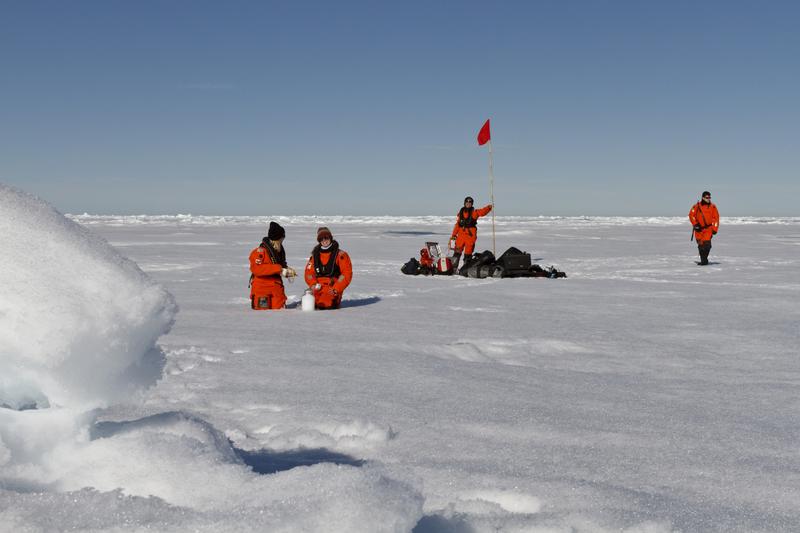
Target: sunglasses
{"x": 706, "y": 197}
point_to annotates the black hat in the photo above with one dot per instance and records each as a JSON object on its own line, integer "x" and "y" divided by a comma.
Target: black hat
{"x": 276, "y": 232}
{"x": 706, "y": 193}
{"x": 469, "y": 199}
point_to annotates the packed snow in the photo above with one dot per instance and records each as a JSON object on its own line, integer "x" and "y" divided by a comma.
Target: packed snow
{"x": 79, "y": 320}
{"x": 643, "y": 393}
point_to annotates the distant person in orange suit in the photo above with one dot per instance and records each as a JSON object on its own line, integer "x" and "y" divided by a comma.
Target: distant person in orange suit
{"x": 465, "y": 232}
{"x": 705, "y": 222}
{"x": 267, "y": 265}
{"x": 328, "y": 271}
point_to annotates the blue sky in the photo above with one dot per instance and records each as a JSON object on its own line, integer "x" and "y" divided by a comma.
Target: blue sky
{"x": 597, "y": 107}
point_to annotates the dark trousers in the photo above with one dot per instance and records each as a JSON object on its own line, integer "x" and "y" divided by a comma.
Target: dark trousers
{"x": 704, "y": 247}
{"x": 457, "y": 259}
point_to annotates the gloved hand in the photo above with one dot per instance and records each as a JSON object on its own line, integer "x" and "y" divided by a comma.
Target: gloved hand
{"x": 698, "y": 227}
{"x": 713, "y": 232}
{"x": 328, "y": 292}
{"x": 288, "y": 272}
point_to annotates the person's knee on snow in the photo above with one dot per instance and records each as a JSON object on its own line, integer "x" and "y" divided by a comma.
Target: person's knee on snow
{"x": 328, "y": 271}
{"x": 267, "y": 265}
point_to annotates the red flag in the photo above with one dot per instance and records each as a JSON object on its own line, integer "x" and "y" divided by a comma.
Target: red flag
{"x": 484, "y": 136}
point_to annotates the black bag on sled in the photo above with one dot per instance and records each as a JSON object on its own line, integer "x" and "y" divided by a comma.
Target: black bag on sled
{"x": 513, "y": 263}
{"x": 474, "y": 267}
{"x": 514, "y": 260}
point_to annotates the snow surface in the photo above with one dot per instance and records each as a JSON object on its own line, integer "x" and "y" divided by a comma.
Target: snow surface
{"x": 642, "y": 394}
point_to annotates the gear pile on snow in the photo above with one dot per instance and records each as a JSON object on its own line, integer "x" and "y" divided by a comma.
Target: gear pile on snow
{"x": 513, "y": 263}
{"x": 431, "y": 261}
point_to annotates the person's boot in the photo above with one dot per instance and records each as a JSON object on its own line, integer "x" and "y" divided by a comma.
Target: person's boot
{"x": 704, "y": 251}
{"x": 456, "y": 259}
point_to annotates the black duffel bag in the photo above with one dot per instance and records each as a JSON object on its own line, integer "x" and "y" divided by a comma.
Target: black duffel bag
{"x": 472, "y": 268}
{"x": 514, "y": 260}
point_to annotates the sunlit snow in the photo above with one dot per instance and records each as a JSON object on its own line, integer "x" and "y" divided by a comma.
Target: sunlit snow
{"x": 642, "y": 394}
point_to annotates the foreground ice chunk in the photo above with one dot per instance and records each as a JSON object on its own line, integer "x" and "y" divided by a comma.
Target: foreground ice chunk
{"x": 78, "y": 322}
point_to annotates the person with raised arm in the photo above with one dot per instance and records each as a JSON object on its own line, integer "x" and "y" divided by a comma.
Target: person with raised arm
{"x": 465, "y": 232}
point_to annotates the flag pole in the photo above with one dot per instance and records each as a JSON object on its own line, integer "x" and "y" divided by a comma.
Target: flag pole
{"x": 491, "y": 195}
{"x": 484, "y": 136}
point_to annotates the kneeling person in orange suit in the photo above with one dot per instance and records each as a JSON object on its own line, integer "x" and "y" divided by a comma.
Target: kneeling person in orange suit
{"x": 328, "y": 272}
{"x": 267, "y": 265}
{"x": 465, "y": 232}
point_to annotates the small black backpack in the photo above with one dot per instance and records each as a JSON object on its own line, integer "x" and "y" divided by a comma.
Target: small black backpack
{"x": 411, "y": 267}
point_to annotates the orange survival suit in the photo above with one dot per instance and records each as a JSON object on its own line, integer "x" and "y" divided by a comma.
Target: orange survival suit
{"x": 328, "y": 273}
{"x": 465, "y": 232}
{"x": 704, "y": 217}
{"x": 266, "y": 286}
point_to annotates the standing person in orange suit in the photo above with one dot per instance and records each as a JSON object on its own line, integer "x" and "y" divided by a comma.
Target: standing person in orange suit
{"x": 465, "y": 232}
{"x": 705, "y": 221}
{"x": 267, "y": 265}
{"x": 328, "y": 271}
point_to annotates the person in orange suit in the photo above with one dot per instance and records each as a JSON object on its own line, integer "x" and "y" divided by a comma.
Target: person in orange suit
{"x": 267, "y": 265}
{"x": 465, "y": 232}
{"x": 328, "y": 271}
{"x": 705, "y": 221}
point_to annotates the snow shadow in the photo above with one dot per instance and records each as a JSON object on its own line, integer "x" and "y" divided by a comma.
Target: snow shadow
{"x": 175, "y": 422}
{"x": 435, "y": 523}
{"x": 270, "y": 462}
{"x": 358, "y": 302}
{"x": 261, "y": 461}
{"x": 24, "y": 405}
{"x": 411, "y": 232}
